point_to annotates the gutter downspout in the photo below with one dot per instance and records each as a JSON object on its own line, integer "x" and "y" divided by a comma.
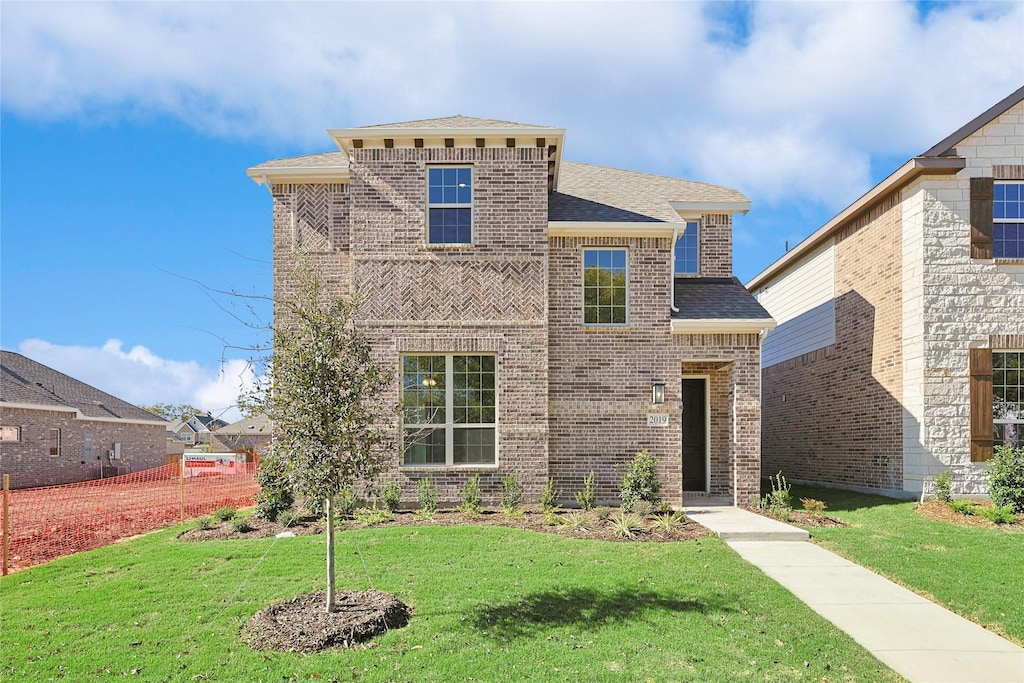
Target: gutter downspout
{"x": 671, "y": 269}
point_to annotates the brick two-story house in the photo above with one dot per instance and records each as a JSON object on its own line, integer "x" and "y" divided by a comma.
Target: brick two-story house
{"x": 900, "y": 347}
{"x": 541, "y": 317}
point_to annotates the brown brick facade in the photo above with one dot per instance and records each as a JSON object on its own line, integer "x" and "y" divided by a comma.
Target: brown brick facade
{"x": 841, "y": 420}
{"x": 29, "y": 463}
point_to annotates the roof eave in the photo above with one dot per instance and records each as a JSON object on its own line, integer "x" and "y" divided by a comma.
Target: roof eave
{"x": 612, "y": 229}
{"x": 722, "y": 325}
{"x": 298, "y": 174}
{"x": 699, "y": 208}
{"x": 906, "y": 173}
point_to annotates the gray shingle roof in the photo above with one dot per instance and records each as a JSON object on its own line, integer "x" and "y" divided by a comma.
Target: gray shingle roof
{"x": 456, "y": 122}
{"x": 597, "y": 193}
{"x": 310, "y": 161}
{"x": 23, "y": 380}
{"x": 255, "y": 425}
{"x": 699, "y": 298}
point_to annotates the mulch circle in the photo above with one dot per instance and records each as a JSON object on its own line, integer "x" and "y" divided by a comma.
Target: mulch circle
{"x": 941, "y": 512}
{"x": 302, "y": 624}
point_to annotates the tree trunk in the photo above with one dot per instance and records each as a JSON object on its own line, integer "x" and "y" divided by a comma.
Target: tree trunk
{"x": 329, "y": 508}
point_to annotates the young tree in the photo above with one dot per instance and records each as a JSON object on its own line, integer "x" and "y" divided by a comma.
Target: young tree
{"x": 324, "y": 394}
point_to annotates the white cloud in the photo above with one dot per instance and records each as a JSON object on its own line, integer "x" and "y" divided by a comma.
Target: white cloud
{"x": 142, "y": 378}
{"x": 794, "y": 111}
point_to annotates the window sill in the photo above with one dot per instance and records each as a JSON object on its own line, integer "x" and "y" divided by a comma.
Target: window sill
{"x": 591, "y": 327}
{"x": 453, "y": 246}
{"x": 447, "y": 468}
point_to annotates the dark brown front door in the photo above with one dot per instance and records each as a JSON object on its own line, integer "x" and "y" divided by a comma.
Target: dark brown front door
{"x": 695, "y": 437}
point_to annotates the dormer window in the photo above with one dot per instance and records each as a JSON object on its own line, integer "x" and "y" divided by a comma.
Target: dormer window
{"x": 687, "y": 252}
{"x": 450, "y": 205}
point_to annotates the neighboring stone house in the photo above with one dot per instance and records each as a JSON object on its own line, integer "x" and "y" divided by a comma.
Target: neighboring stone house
{"x": 250, "y": 434}
{"x": 55, "y": 429}
{"x": 541, "y": 317}
{"x": 900, "y": 347}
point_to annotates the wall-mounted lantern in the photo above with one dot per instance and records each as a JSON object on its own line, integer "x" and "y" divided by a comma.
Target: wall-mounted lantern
{"x": 657, "y": 393}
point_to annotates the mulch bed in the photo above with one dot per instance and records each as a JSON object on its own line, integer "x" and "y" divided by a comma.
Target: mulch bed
{"x": 261, "y": 528}
{"x": 940, "y": 512}
{"x": 803, "y": 518}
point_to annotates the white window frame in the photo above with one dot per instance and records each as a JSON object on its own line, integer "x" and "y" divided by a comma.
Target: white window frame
{"x": 54, "y": 435}
{"x": 452, "y": 205}
{"x": 583, "y": 288}
{"x": 699, "y": 229}
{"x": 450, "y": 425}
{"x": 1019, "y": 221}
{"x": 7, "y": 430}
{"x": 1019, "y": 419}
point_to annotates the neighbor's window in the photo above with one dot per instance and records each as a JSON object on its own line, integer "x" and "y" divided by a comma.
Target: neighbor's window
{"x": 604, "y": 286}
{"x": 450, "y": 205}
{"x": 687, "y": 256}
{"x": 1008, "y": 220}
{"x": 8, "y": 434}
{"x": 1008, "y": 398}
{"x": 448, "y": 410}
{"x": 54, "y": 442}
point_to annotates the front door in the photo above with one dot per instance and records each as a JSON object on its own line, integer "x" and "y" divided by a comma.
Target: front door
{"x": 695, "y": 436}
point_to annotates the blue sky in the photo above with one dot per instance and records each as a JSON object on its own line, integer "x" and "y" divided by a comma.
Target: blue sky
{"x": 127, "y": 128}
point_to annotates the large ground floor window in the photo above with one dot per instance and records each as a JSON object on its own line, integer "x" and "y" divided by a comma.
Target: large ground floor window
{"x": 448, "y": 410}
{"x": 1008, "y": 398}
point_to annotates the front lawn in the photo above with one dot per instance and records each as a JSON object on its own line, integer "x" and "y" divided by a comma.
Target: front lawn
{"x": 489, "y": 604}
{"x": 973, "y": 571}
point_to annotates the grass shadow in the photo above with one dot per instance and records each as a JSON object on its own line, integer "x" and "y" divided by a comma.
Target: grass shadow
{"x": 582, "y": 608}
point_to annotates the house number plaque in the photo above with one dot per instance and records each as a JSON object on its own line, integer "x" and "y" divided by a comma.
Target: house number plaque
{"x": 657, "y": 420}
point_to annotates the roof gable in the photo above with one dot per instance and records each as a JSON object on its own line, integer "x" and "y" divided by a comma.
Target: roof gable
{"x": 948, "y": 144}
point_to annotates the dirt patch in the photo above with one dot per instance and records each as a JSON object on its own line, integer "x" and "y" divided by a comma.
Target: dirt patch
{"x": 261, "y": 528}
{"x": 941, "y": 512}
{"x": 804, "y": 518}
{"x": 302, "y": 624}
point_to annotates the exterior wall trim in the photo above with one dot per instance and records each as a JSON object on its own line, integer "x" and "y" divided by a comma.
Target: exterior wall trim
{"x": 611, "y": 229}
{"x": 722, "y": 326}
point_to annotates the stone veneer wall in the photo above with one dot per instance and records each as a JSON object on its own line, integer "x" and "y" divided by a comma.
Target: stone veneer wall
{"x": 600, "y": 380}
{"x": 841, "y": 421}
{"x": 30, "y": 464}
{"x": 964, "y": 303}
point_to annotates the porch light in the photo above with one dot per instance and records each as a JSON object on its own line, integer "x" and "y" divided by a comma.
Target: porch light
{"x": 657, "y": 393}
{"x": 429, "y": 381}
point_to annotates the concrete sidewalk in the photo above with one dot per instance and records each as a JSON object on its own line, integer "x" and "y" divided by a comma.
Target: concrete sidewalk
{"x": 913, "y": 636}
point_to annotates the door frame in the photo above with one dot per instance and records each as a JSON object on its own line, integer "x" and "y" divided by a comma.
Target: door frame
{"x": 707, "y": 429}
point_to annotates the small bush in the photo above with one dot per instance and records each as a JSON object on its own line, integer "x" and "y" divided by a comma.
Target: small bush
{"x": 428, "y": 498}
{"x": 275, "y": 494}
{"x": 518, "y": 513}
{"x": 286, "y": 518}
{"x": 778, "y": 502}
{"x": 511, "y": 493}
{"x": 815, "y": 508}
{"x": 963, "y": 507}
{"x": 603, "y": 512}
{"x": 1005, "y": 474}
{"x": 241, "y": 524}
{"x": 576, "y": 520}
{"x": 626, "y": 524}
{"x": 552, "y": 518}
{"x": 204, "y": 523}
{"x": 642, "y": 508}
{"x": 345, "y": 502}
{"x": 549, "y": 496}
{"x": 641, "y": 481}
{"x": 1000, "y": 514}
{"x": 587, "y": 498}
{"x": 391, "y": 496}
{"x": 373, "y": 515}
{"x": 224, "y": 514}
{"x": 667, "y": 523}
{"x": 942, "y": 485}
{"x": 471, "y": 496}
{"x": 663, "y": 508}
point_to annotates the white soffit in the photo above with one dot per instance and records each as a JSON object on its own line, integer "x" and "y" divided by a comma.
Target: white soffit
{"x": 722, "y": 325}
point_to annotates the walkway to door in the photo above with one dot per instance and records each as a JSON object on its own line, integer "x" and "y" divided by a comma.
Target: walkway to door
{"x": 916, "y": 638}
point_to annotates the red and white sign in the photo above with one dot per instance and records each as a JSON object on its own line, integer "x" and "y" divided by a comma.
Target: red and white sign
{"x": 207, "y": 463}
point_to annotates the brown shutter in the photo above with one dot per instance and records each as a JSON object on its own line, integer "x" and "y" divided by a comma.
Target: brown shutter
{"x": 981, "y": 218}
{"x": 981, "y": 404}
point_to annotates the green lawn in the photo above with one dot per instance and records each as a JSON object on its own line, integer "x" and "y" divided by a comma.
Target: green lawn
{"x": 976, "y": 572}
{"x": 490, "y": 604}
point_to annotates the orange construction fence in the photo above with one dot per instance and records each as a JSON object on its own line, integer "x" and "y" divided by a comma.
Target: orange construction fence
{"x": 41, "y": 524}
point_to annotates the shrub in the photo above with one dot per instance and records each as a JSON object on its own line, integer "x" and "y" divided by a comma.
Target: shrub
{"x": 778, "y": 502}
{"x": 428, "y": 498}
{"x": 241, "y": 524}
{"x": 642, "y": 508}
{"x": 549, "y": 496}
{"x": 641, "y": 481}
{"x": 224, "y": 514}
{"x": 204, "y": 523}
{"x": 626, "y": 524}
{"x": 551, "y": 518}
{"x": 587, "y": 498}
{"x": 576, "y": 520}
{"x": 942, "y": 485}
{"x": 663, "y": 508}
{"x": 963, "y": 507}
{"x": 391, "y": 496}
{"x": 286, "y": 518}
{"x": 373, "y": 515}
{"x": 814, "y": 507}
{"x": 511, "y": 493}
{"x": 603, "y": 512}
{"x": 667, "y": 523}
{"x": 471, "y": 496}
{"x": 1000, "y": 514}
{"x": 275, "y": 494}
{"x": 1005, "y": 474}
{"x": 345, "y": 502}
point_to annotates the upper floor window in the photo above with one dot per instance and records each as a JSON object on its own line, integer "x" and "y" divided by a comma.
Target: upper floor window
{"x": 450, "y": 205}
{"x": 604, "y": 286}
{"x": 1008, "y": 397}
{"x": 687, "y": 256}
{"x": 54, "y": 442}
{"x": 10, "y": 433}
{"x": 1008, "y": 220}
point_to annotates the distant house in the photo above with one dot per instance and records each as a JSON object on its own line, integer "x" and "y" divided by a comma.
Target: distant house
{"x": 899, "y": 352}
{"x": 251, "y": 434}
{"x": 55, "y": 429}
{"x": 181, "y": 431}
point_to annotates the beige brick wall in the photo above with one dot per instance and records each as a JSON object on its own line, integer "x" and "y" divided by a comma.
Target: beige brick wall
{"x": 716, "y": 246}
{"x": 30, "y": 464}
{"x": 841, "y": 421}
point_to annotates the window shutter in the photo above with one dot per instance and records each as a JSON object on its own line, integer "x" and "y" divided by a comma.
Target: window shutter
{"x": 981, "y": 404}
{"x": 981, "y": 218}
